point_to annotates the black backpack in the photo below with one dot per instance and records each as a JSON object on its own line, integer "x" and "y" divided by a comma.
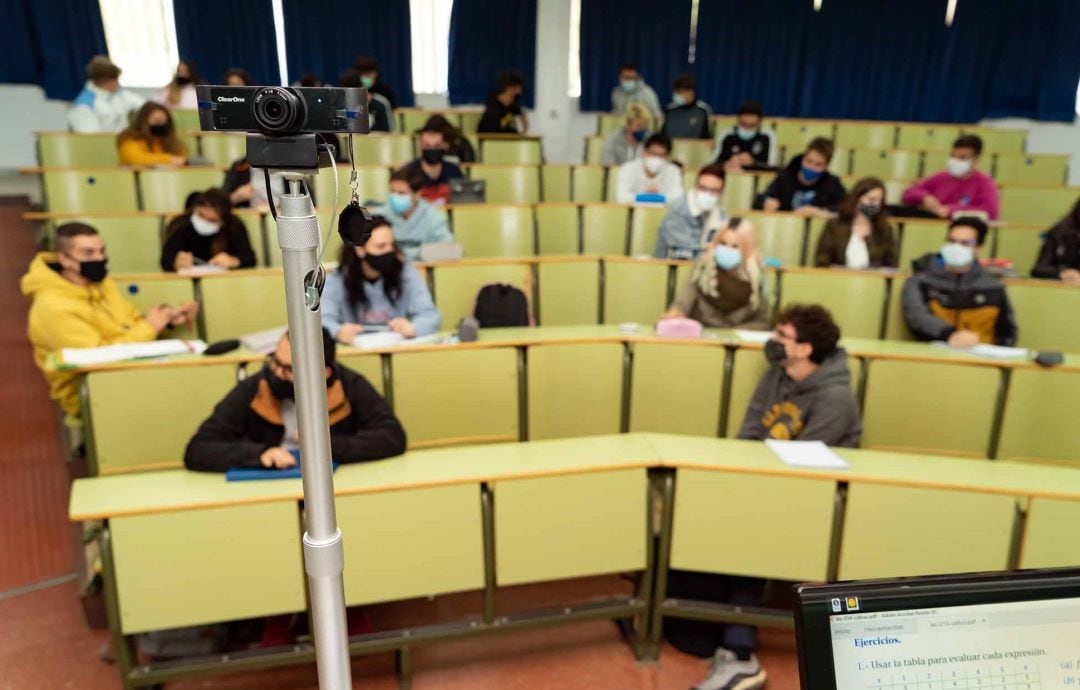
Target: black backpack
{"x": 501, "y": 305}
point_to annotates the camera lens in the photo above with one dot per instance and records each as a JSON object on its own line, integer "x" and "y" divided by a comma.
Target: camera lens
{"x": 278, "y": 110}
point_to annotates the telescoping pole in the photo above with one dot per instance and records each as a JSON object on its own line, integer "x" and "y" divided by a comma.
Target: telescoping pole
{"x": 298, "y": 236}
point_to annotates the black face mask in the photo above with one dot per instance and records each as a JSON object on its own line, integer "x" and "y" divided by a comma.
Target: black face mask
{"x": 279, "y": 387}
{"x": 386, "y": 264}
{"x": 775, "y": 352}
{"x": 432, "y": 156}
{"x": 182, "y": 81}
{"x": 94, "y": 271}
{"x": 870, "y": 210}
{"x": 159, "y": 130}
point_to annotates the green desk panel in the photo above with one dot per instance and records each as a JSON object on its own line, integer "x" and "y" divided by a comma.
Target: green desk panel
{"x": 557, "y": 229}
{"x": 572, "y": 526}
{"x": 150, "y": 293}
{"x": 1052, "y": 534}
{"x": 414, "y": 543}
{"x": 739, "y": 524}
{"x": 855, "y": 300}
{"x": 145, "y": 417}
{"x": 64, "y": 150}
{"x": 1040, "y": 416}
{"x": 574, "y": 390}
{"x": 604, "y": 228}
{"x": 644, "y": 226}
{"x": 750, "y": 365}
{"x": 486, "y": 230}
{"x": 634, "y": 292}
{"x": 101, "y": 190}
{"x": 587, "y": 183}
{"x": 167, "y": 189}
{"x": 676, "y": 389}
{"x": 929, "y": 408}
{"x": 896, "y": 531}
{"x": 895, "y": 326}
{"x": 208, "y": 565}
{"x": 235, "y": 306}
{"x": 569, "y": 293}
{"x": 482, "y": 386}
{"x": 1044, "y": 316}
{"x": 368, "y": 366}
{"x": 555, "y": 182}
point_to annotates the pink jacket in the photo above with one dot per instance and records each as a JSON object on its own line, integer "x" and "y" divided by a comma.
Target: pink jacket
{"x": 975, "y": 192}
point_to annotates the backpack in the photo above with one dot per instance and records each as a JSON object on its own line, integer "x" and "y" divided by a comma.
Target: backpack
{"x": 501, "y": 305}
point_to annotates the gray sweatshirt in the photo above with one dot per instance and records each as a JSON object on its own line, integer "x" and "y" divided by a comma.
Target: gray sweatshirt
{"x": 686, "y": 228}
{"x": 819, "y": 408}
{"x": 425, "y": 225}
{"x": 644, "y": 95}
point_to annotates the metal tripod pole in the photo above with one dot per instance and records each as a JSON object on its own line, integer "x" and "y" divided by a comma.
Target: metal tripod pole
{"x": 298, "y": 236}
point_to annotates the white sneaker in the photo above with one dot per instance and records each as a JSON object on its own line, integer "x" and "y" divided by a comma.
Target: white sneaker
{"x": 728, "y": 673}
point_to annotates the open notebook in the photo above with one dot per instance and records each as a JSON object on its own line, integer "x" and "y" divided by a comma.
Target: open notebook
{"x": 87, "y": 356}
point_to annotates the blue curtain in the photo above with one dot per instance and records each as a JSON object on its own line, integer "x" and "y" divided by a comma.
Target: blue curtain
{"x": 487, "y": 37}
{"x": 217, "y": 35}
{"x": 49, "y": 42}
{"x": 325, "y": 36}
{"x": 890, "y": 59}
{"x": 654, "y": 35}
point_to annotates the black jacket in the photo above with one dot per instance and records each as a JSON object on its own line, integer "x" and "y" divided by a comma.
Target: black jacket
{"x": 248, "y": 421}
{"x": 938, "y": 302}
{"x": 181, "y": 237}
{"x": 499, "y": 118}
{"x": 690, "y": 121}
{"x": 792, "y": 193}
{"x": 760, "y": 147}
{"x": 1060, "y": 250}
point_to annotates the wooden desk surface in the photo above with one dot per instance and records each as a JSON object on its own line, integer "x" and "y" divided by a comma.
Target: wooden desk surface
{"x": 161, "y": 492}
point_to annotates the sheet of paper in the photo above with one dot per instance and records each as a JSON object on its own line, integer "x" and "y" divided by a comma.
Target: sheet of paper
{"x": 201, "y": 270}
{"x": 371, "y": 341}
{"x": 813, "y": 454}
{"x": 753, "y": 336}
{"x": 263, "y": 342}
{"x": 87, "y": 356}
{"x": 984, "y": 350}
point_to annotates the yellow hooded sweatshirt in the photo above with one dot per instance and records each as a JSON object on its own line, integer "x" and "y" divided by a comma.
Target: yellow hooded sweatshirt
{"x": 64, "y": 314}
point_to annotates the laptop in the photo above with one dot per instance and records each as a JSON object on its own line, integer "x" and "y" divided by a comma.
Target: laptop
{"x": 465, "y": 191}
{"x": 1013, "y": 631}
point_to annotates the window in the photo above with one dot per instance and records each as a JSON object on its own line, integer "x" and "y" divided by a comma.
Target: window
{"x": 141, "y": 35}
{"x": 573, "y": 82}
{"x": 1078, "y": 98}
{"x": 430, "y": 44}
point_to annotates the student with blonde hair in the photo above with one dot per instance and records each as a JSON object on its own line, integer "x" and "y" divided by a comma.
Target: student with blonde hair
{"x": 626, "y": 144}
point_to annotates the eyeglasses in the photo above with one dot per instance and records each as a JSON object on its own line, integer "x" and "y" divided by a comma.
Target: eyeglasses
{"x": 711, "y": 190}
{"x": 780, "y": 335}
{"x": 965, "y": 243}
{"x": 275, "y": 363}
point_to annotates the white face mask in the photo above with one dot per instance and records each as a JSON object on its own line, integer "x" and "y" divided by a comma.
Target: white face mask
{"x": 203, "y": 226}
{"x": 957, "y": 255}
{"x": 706, "y": 201}
{"x": 958, "y": 167}
{"x": 653, "y": 164}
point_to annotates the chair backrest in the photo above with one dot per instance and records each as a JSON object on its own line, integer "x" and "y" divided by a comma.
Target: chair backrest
{"x": 166, "y": 190}
{"x": 604, "y": 228}
{"x": 644, "y": 226}
{"x": 186, "y": 120}
{"x": 509, "y": 184}
{"x": 587, "y": 183}
{"x": 1000, "y": 140}
{"x": 886, "y": 164}
{"x": 609, "y": 122}
{"x": 739, "y": 190}
{"x": 1044, "y": 314}
{"x": 841, "y": 161}
{"x": 781, "y": 235}
{"x": 253, "y": 222}
{"x": 412, "y": 119}
{"x": 1039, "y": 417}
{"x": 859, "y": 135}
{"x": 558, "y": 229}
{"x": 456, "y": 285}
{"x": 238, "y": 303}
{"x": 222, "y": 148}
{"x": 470, "y": 120}
{"x": 373, "y": 184}
{"x": 1030, "y": 169}
{"x": 895, "y": 326}
{"x": 556, "y": 182}
{"x": 569, "y": 292}
{"x": 92, "y": 190}
{"x": 856, "y": 299}
{"x": 1036, "y": 205}
{"x": 635, "y": 291}
{"x": 693, "y": 153}
{"x": 921, "y": 237}
{"x": 594, "y": 150}
{"x": 926, "y": 137}
{"x": 494, "y": 231}
{"x": 383, "y": 149}
{"x": 133, "y": 242}
{"x": 151, "y": 290}
{"x": 524, "y": 151}
{"x": 66, "y": 150}
{"x": 792, "y": 136}
{"x": 1019, "y": 244}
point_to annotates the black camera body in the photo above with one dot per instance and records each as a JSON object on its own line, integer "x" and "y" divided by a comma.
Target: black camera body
{"x": 281, "y": 111}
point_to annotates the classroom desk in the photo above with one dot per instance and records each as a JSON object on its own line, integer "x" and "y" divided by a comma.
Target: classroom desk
{"x": 481, "y": 517}
{"x": 511, "y": 385}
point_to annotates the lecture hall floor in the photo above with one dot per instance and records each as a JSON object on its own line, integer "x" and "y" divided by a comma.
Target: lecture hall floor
{"x": 47, "y": 646}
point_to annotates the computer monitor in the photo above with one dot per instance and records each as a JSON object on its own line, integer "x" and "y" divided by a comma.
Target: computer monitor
{"x": 1001, "y": 631}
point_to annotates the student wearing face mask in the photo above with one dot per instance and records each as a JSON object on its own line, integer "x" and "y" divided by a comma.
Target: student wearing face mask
{"x": 376, "y": 289}
{"x": 368, "y": 69}
{"x": 693, "y": 219}
{"x": 102, "y": 105}
{"x": 626, "y": 144}
{"x": 256, "y": 425}
{"x": 1059, "y": 258}
{"x": 861, "y": 235}
{"x": 804, "y": 395}
{"x": 180, "y": 92}
{"x": 951, "y": 298}
{"x": 210, "y": 234}
{"x": 431, "y": 167}
{"x": 652, "y": 174}
{"x": 76, "y": 304}
{"x": 686, "y": 117}
{"x": 725, "y": 288}
{"x": 503, "y": 111}
{"x": 748, "y": 146}
{"x": 380, "y": 112}
{"x": 415, "y": 222}
{"x": 962, "y": 187}
{"x": 806, "y": 186}
{"x": 632, "y": 90}
{"x": 151, "y": 139}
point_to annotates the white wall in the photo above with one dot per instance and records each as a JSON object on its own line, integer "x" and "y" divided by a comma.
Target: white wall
{"x": 557, "y": 118}
{"x": 1049, "y": 137}
{"x": 25, "y": 111}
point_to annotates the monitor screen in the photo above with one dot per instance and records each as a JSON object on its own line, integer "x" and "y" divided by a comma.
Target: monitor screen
{"x": 1014, "y": 631}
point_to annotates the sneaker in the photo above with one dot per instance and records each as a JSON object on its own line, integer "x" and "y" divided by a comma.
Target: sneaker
{"x": 728, "y": 673}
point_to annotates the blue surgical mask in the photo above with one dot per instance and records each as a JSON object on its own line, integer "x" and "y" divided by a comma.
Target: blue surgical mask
{"x": 957, "y": 255}
{"x": 678, "y": 99}
{"x": 746, "y": 134}
{"x": 629, "y": 85}
{"x": 400, "y": 203}
{"x": 810, "y": 175}
{"x": 727, "y": 257}
{"x": 639, "y": 135}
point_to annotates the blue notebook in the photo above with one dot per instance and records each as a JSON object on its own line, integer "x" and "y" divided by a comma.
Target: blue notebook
{"x": 245, "y": 474}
